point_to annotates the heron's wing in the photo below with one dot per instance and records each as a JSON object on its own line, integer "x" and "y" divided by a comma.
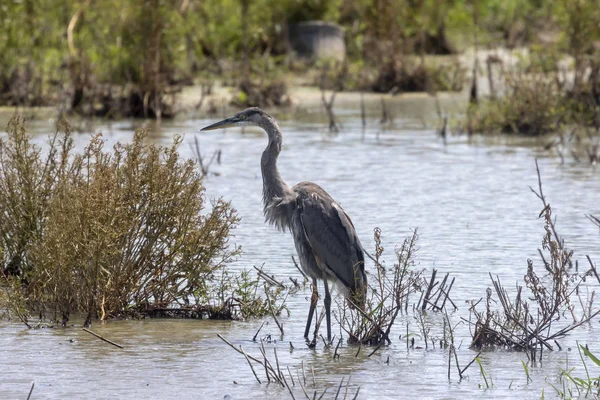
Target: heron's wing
{"x": 348, "y": 222}
{"x": 332, "y": 238}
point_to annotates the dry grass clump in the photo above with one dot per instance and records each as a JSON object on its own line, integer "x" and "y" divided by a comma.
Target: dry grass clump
{"x": 107, "y": 232}
{"x": 388, "y": 296}
{"x": 533, "y": 321}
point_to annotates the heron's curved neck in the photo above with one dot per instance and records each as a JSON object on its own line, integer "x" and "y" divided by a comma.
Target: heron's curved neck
{"x": 273, "y": 186}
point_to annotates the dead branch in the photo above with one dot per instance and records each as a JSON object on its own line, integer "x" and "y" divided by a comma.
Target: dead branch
{"x": 103, "y": 338}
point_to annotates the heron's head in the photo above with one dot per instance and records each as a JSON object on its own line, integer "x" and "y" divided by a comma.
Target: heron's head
{"x": 250, "y": 116}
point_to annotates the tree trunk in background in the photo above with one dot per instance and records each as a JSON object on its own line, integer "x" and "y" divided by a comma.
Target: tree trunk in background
{"x": 75, "y": 63}
{"x": 245, "y": 41}
{"x": 152, "y": 84}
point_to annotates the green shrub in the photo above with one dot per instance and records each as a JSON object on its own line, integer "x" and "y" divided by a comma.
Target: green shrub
{"x": 531, "y": 105}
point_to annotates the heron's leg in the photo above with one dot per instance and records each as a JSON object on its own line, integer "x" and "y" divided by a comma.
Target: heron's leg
{"x": 327, "y": 302}
{"x": 313, "y": 304}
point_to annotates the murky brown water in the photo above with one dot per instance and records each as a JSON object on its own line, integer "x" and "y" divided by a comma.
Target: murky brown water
{"x": 475, "y": 214}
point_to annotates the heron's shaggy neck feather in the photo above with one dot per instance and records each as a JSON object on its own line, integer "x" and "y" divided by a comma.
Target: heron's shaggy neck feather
{"x": 277, "y": 196}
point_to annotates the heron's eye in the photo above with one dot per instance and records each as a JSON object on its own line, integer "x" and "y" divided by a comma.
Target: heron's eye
{"x": 242, "y": 116}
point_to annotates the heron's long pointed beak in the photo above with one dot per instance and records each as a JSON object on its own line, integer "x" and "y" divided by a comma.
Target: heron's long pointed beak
{"x": 222, "y": 124}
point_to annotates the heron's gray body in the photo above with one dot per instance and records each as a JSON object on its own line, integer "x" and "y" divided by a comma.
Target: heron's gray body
{"x": 325, "y": 238}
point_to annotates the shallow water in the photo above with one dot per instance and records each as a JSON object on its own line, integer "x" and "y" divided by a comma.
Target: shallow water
{"x": 470, "y": 201}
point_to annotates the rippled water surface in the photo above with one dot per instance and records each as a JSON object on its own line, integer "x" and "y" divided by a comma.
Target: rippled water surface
{"x": 470, "y": 201}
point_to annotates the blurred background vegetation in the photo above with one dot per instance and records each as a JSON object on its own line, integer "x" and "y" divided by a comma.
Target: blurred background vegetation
{"x": 98, "y": 56}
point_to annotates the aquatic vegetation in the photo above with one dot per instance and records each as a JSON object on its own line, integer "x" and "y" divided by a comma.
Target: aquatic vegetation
{"x": 537, "y": 103}
{"x": 130, "y": 58}
{"x": 390, "y": 295}
{"x": 387, "y": 297}
{"x": 556, "y": 84}
{"x": 280, "y": 375}
{"x": 538, "y": 315}
{"x": 576, "y": 387}
{"x": 488, "y": 382}
{"x": 530, "y": 105}
{"x": 106, "y": 233}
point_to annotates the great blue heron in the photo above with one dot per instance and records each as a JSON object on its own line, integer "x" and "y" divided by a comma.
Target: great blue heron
{"x": 325, "y": 239}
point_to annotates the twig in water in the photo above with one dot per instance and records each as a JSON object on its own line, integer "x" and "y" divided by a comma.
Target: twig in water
{"x": 447, "y": 297}
{"x": 323, "y": 394}
{"x": 429, "y": 288}
{"x": 334, "y": 124}
{"x": 204, "y": 168}
{"x": 269, "y": 279}
{"x": 373, "y": 352}
{"x": 295, "y": 282}
{"x": 335, "y": 353}
{"x": 385, "y": 115}
{"x": 462, "y": 371}
{"x": 258, "y": 331}
{"x": 301, "y": 385}
{"x": 250, "y": 364}
{"x": 288, "y": 386}
{"x": 303, "y": 374}
{"x": 277, "y": 363}
{"x": 443, "y": 131}
{"x": 593, "y": 268}
{"x": 363, "y": 114}
{"x": 273, "y": 311}
{"x": 31, "y": 390}
{"x": 102, "y": 338}
{"x": 339, "y": 388}
{"x": 594, "y": 219}
{"x": 265, "y": 361}
{"x": 270, "y": 372}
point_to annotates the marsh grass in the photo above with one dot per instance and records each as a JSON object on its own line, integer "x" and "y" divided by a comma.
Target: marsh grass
{"x": 388, "y": 296}
{"x": 488, "y": 382}
{"x": 228, "y": 296}
{"x": 547, "y": 308}
{"x": 106, "y": 233}
{"x": 296, "y": 383}
{"x": 537, "y": 97}
{"x": 582, "y": 144}
{"x": 531, "y": 104}
{"x": 581, "y": 387}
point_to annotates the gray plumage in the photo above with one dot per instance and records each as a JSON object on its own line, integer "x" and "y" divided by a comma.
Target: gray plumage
{"x": 325, "y": 238}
